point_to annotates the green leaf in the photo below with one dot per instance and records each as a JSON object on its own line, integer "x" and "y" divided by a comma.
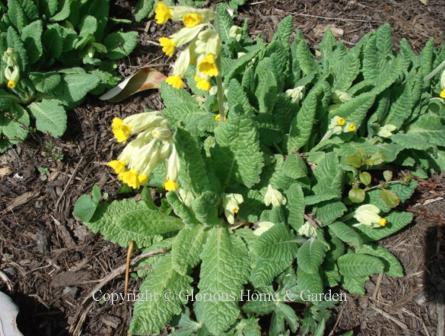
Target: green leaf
{"x": 370, "y": 59}
{"x": 346, "y": 233}
{"x": 355, "y": 285}
{"x": 295, "y": 201}
{"x": 16, "y": 14}
{"x": 14, "y": 41}
{"x": 390, "y": 198}
{"x": 165, "y": 293}
{"x": 301, "y": 127}
{"x": 16, "y": 128}
{"x": 305, "y": 58}
{"x": 85, "y": 207}
{"x": 396, "y": 222}
{"x": 88, "y": 26}
{"x": 45, "y": 82}
{"x": 239, "y": 147}
{"x": 64, "y": 12}
{"x": 193, "y": 174}
{"x": 51, "y": 6}
{"x": 355, "y": 110}
{"x": 75, "y": 87}
{"x": 310, "y": 256}
{"x": 205, "y": 208}
{"x": 346, "y": 70}
{"x": 329, "y": 176}
{"x": 308, "y": 283}
{"x": 30, "y": 9}
{"x": 223, "y": 22}
{"x": 224, "y": 270}
{"x": 32, "y": 38}
{"x": 187, "y": 248}
{"x": 384, "y": 40}
{"x": 143, "y": 9}
{"x": 260, "y": 307}
{"x": 284, "y": 30}
{"x": 126, "y": 220}
{"x": 120, "y": 45}
{"x": 272, "y": 253}
{"x": 267, "y": 88}
{"x": 50, "y": 116}
{"x": 237, "y": 96}
{"x": 250, "y": 326}
{"x": 426, "y": 132}
{"x": 149, "y": 222}
{"x": 359, "y": 265}
{"x": 327, "y": 212}
{"x": 53, "y": 41}
{"x": 181, "y": 210}
{"x": 181, "y": 107}
{"x": 392, "y": 264}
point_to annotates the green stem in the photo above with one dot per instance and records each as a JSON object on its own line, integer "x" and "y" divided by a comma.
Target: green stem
{"x": 220, "y": 97}
{"x": 435, "y": 71}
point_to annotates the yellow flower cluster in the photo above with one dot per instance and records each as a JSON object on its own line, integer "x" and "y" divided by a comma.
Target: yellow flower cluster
{"x": 442, "y": 94}
{"x": 152, "y": 145}
{"x": 198, "y": 40}
{"x": 340, "y": 125}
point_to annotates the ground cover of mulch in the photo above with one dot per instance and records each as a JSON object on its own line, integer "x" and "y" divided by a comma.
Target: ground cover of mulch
{"x": 51, "y": 263}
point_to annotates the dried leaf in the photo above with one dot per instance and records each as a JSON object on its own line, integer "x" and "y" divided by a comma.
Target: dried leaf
{"x": 144, "y": 79}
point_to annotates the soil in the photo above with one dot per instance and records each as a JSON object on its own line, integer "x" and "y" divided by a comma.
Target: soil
{"x": 51, "y": 262}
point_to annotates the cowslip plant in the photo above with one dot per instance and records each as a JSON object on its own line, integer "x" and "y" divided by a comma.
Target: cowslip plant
{"x": 52, "y": 54}
{"x": 287, "y": 175}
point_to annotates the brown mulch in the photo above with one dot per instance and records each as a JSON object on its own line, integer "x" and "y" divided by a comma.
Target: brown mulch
{"x": 53, "y": 261}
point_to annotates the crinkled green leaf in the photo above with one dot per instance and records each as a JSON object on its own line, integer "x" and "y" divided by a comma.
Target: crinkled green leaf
{"x": 295, "y": 201}
{"x": 310, "y": 256}
{"x": 393, "y": 267}
{"x": 272, "y": 253}
{"x": 164, "y": 292}
{"x": 187, "y": 248}
{"x": 359, "y": 265}
{"x": 238, "y": 142}
{"x": 224, "y": 271}
{"x": 396, "y": 222}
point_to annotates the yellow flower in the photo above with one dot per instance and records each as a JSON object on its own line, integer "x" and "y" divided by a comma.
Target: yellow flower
{"x": 202, "y": 83}
{"x": 168, "y": 45}
{"x": 143, "y": 179}
{"x": 170, "y": 185}
{"x": 11, "y": 84}
{"x": 351, "y": 127}
{"x": 117, "y": 165}
{"x": 442, "y": 94}
{"x": 133, "y": 179}
{"x": 341, "y": 121}
{"x": 175, "y": 81}
{"x": 162, "y": 13}
{"x": 208, "y": 66}
{"x": 382, "y": 222}
{"x": 120, "y": 130}
{"x": 218, "y": 117}
{"x": 192, "y": 19}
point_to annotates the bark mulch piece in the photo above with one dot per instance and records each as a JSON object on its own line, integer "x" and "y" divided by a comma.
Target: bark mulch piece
{"x": 53, "y": 262}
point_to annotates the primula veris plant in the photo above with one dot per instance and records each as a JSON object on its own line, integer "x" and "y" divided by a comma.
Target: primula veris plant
{"x": 52, "y": 54}
{"x": 282, "y": 183}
